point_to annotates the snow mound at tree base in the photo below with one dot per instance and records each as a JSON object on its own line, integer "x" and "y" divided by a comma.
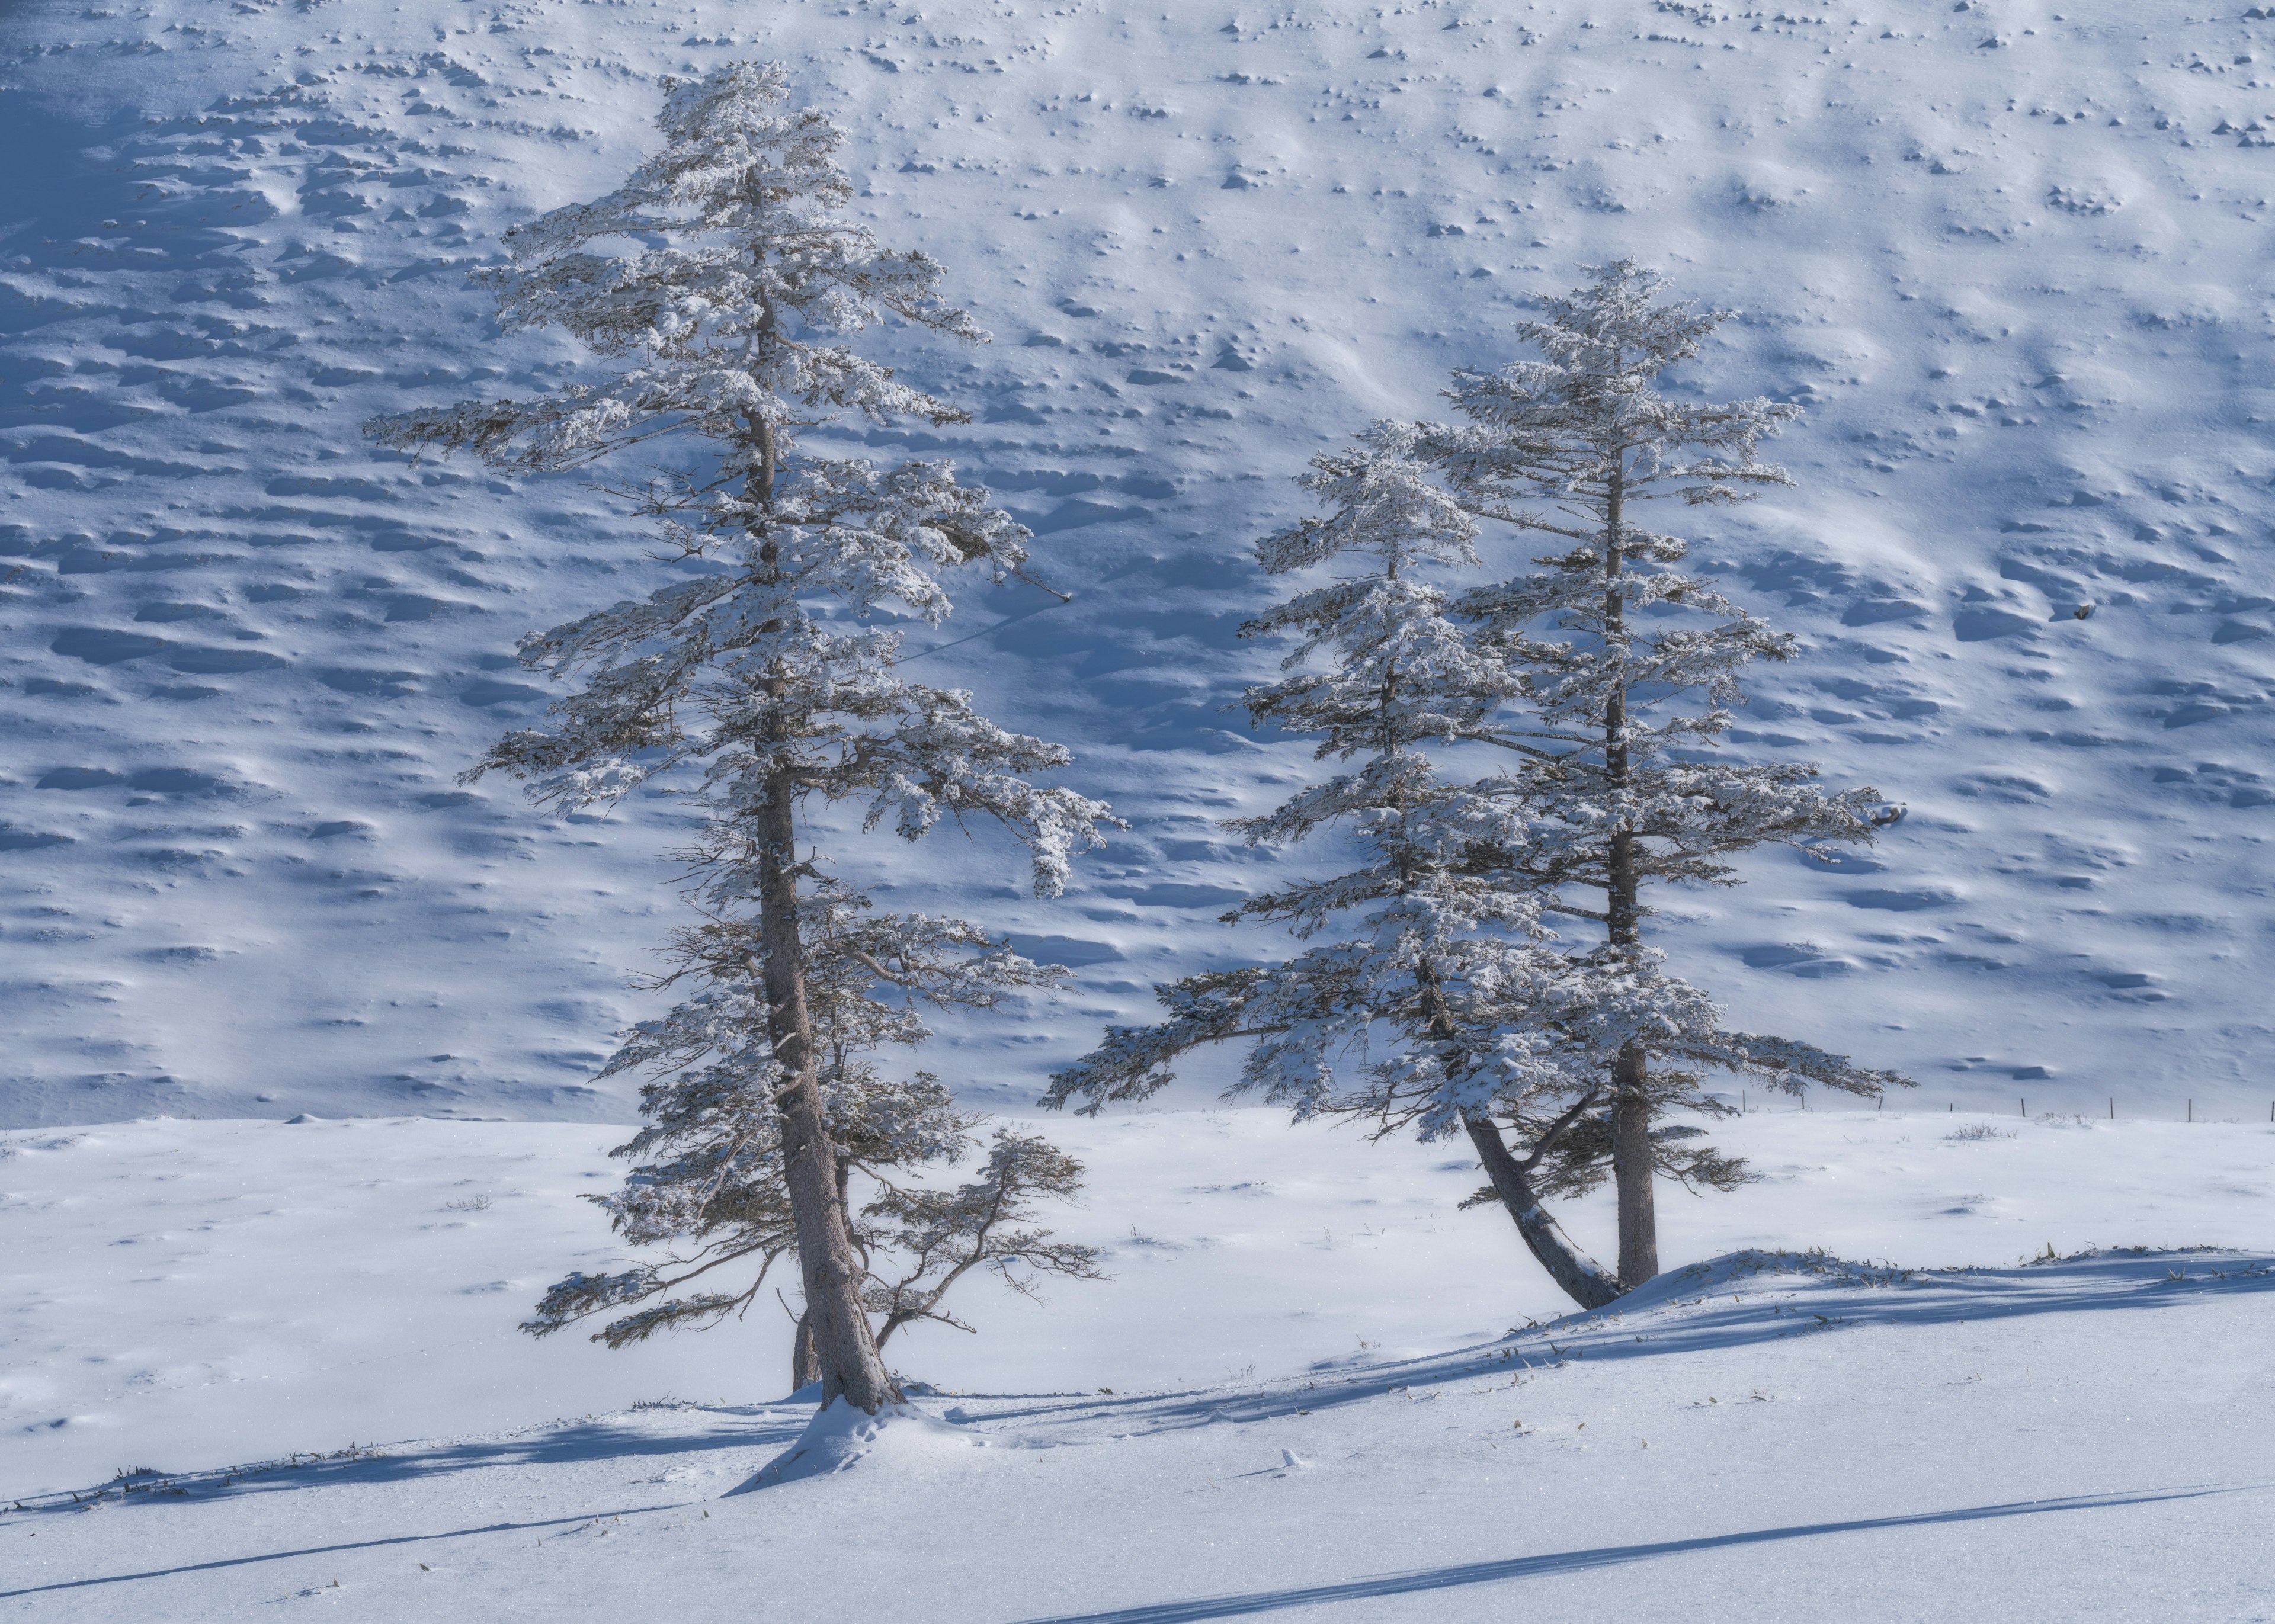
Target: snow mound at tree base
{"x": 840, "y": 1437}
{"x": 1668, "y": 1290}
{"x": 1731, "y": 1267}
{"x": 1750, "y": 1298}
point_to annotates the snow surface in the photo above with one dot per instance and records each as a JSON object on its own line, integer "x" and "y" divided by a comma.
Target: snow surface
{"x": 197, "y": 1293}
{"x": 2012, "y": 262}
{"x": 1318, "y": 1407}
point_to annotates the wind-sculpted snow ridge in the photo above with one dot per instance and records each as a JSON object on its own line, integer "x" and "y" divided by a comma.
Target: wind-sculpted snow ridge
{"x": 2008, "y": 262}
{"x": 1558, "y": 1468}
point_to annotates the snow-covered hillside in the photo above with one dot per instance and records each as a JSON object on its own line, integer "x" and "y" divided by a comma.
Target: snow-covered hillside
{"x": 2012, "y": 261}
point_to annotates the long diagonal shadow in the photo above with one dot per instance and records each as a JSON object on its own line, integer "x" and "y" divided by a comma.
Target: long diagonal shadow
{"x": 414, "y": 1463}
{"x": 2139, "y": 1282}
{"x": 1579, "y": 1561}
{"x": 356, "y": 1545}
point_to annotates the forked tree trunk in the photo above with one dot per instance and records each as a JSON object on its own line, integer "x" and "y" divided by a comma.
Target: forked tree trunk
{"x": 843, "y": 1347}
{"x": 1582, "y": 1279}
{"x": 1631, "y": 1159}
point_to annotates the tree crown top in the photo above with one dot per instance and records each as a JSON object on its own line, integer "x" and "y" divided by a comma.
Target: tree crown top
{"x": 1566, "y": 428}
{"x": 724, "y": 277}
{"x": 1616, "y": 326}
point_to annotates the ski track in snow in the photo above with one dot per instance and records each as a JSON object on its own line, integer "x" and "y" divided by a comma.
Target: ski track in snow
{"x": 2013, "y": 264}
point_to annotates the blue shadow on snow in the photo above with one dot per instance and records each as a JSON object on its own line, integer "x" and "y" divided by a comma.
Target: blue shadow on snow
{"x": 1508, "y": 1568}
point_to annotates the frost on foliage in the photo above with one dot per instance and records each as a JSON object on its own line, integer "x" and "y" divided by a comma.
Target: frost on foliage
{"x": 936, "y": 1237}
{"x": 723, "y": 282}
{"x": 1434, "y": 994}
{"x": 1627, "y": 667}
{"x": 706, "y": 1189}
{"x": 717, "y": 292}
{"x": 720, "y": 271}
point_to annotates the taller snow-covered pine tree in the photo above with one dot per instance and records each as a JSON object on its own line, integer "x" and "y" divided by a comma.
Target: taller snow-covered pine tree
{"x": 1437, "y": 997}
{"x": 1628, "y": 667}
{"x": 722, "y": 281}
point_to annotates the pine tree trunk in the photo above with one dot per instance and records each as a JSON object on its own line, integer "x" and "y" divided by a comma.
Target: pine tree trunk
{"x": 1582, "y": 1279}
{"x": 843, "y": 1347}
{"x": 1631, "y": 1160}
{"x": 804, "y": 1361}
{"x": 1631, "y": 1169}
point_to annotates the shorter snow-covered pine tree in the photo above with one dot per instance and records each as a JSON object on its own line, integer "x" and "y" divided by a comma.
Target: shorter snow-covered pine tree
{"x": 1627, "y": 670}
{"x": 707, "y": 1198}
{"x": 721, "y": 281}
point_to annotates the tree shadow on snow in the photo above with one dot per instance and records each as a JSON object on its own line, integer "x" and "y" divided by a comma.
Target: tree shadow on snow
{"x": 1743, "y": 1300}
{"x": 613, "y": 1440}
{"x": 580, "y": 1519}
{"x": 1511, "y": 1569}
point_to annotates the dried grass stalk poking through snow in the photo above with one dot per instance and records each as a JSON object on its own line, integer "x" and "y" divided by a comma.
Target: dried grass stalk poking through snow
{"x": 722, "y": 281}
{"x": 1438, "y": 999}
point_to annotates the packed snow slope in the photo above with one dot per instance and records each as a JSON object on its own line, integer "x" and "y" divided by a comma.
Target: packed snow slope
{"x": 1359, "y": 1422}
{"x": 2013, "y": 261}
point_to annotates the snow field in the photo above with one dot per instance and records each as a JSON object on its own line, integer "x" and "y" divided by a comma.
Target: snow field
{"x": 2012, "y": 261}
{"x": 196, "y": 1294}
{"x": 1776, "y": 1436}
